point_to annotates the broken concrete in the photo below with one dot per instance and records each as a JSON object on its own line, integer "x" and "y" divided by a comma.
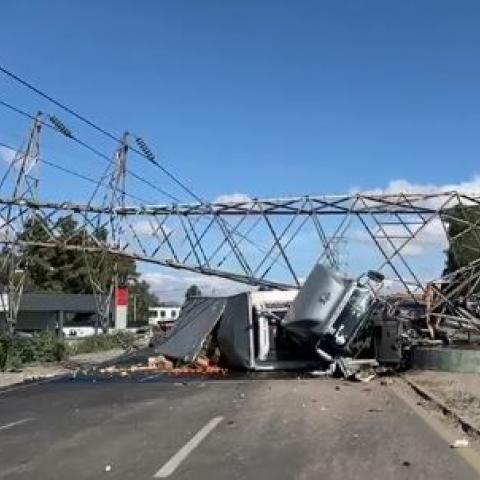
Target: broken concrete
{"x": 462, "y": 359}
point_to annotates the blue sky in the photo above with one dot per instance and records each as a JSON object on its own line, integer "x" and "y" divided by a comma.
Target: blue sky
{"x": 266, "y": 98}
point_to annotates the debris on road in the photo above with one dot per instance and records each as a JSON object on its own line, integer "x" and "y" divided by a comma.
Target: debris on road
{"x": 360, "y": 370}
{"x": 277, "y": 329}
{"x": 333, "y": 326}
{"x": 460, "y": 443}
{"x": 386, "y": 382}
{"x": 160, "y": 364}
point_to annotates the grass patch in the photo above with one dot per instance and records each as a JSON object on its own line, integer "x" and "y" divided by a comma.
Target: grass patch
{"x": 99, "y": 343}
{"x": 45, "y": 347}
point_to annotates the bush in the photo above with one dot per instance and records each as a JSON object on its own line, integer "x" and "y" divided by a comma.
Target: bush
{"x": 98, "y": 343}
{"x": 41, "y": 347}
{"x": 47, "y": 347}
{"x": 5, "y": 344}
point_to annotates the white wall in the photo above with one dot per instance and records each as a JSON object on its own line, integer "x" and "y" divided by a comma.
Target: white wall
{"x": 79, "y": 332}
{"x": 158, "y": 315}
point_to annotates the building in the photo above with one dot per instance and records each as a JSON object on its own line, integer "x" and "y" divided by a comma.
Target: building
{"x": 73, "y": 315}
{"x": 164, "y": 314}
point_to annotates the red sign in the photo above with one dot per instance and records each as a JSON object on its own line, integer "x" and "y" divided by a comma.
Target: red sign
{"x": 122, "y": 297}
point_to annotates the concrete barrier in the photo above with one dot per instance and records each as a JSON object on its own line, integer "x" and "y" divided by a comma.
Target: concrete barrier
{"x": 447, "y": 359}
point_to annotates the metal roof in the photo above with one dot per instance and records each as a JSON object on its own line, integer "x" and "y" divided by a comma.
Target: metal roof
{"x": 55, "y": 302}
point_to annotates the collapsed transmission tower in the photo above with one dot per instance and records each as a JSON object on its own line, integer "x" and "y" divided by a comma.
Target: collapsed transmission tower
{"x": 21, "y": 177}
{"x": 103, "y": 266}
{"x": 270, "y": 242}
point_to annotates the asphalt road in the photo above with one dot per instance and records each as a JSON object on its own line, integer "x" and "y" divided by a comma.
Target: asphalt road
{"x": 245, "y": 429}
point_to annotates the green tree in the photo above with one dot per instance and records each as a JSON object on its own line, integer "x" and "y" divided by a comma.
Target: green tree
{"x": 63, "y": 270}
{"x": 141, "y": 299}
{"x": 193, "y": 291}
{"x": 464, "y": 236}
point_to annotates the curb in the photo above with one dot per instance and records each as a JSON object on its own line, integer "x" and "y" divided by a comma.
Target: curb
{"x": 30, "y": 383}
{"x": 467, "y": 424}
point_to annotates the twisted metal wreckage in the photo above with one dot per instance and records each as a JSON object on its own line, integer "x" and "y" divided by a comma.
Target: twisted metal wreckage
{"x": 287, "y": 323}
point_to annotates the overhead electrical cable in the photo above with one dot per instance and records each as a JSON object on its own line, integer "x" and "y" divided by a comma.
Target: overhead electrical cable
{"x": 74, "y": 173}
{"x": 144, "y": 154}
{"x": 138, "y": 177}
{"x": 92, "y": 150}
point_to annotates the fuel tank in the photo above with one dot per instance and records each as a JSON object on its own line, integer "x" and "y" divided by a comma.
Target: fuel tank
{"x": 327, "y": 311}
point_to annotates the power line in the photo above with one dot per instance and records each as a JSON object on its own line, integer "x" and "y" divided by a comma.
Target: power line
{"x": 92, "y": 150}
{"x": 99, "y": 129}
{"x": 75, "y": 174}
{"x": 102, "y": 155}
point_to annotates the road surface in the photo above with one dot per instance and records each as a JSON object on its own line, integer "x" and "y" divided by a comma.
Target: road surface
{"x": 229, "y": 429}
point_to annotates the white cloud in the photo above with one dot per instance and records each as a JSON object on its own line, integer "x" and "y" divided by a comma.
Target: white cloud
{"x": 402, "y": 186}
{"x": 429, "y": 238}
{"x": 172, "y": 285}
{"x": 432, "y": 236}
{"x": 148, "y": 227}
{"x": 232, "y": 198}
{"x": 7, "y": 155}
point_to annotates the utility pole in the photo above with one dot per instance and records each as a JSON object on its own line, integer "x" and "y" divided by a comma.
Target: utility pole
{"x": 135, "y": 309}
{"x": 22, "y": 175}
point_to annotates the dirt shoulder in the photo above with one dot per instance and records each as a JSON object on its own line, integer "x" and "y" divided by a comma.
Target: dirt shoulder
{"x": 49, "y": 370}
{"x": 460, "y": 392}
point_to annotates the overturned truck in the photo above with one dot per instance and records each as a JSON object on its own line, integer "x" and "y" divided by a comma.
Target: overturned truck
{"x": 301, "y": 329}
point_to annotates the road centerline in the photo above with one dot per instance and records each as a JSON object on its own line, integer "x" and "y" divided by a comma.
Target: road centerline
{"x": 174, "y": 461}
{"x": 14, "y": 424}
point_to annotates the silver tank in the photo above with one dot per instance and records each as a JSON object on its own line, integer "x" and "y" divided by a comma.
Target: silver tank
{"x": 318, "y": 304}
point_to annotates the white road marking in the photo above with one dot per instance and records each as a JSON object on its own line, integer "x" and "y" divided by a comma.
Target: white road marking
{"x": 150, "y": 377}
{"x": 183, "y": 453}
{"x": 13, "y": 424}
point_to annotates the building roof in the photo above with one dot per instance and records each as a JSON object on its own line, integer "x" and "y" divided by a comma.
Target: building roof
{"x": 167, "y": 305}
{"x": 55, "y": 302}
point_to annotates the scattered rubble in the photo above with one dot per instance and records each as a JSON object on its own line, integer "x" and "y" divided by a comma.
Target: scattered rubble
{"x": 332, "y": 325}
{"x": 386, "y": 382}
{"x": 359, "y": 370}
{"x": 160, "y": 364}
{"x": 460, "y": 443}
